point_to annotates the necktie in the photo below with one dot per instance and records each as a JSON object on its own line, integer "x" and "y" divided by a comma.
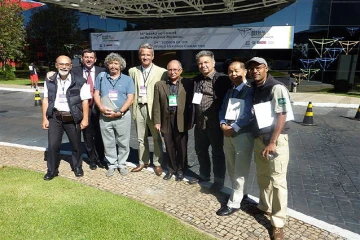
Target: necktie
{"x": 90, "y": 82}
{"x": 145, "y": 75}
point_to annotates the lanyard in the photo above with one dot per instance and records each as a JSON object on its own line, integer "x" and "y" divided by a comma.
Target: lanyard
{"x": 142, "y": 72}
{"x": 113, "y": 85}
{"x": 63, "y": 86}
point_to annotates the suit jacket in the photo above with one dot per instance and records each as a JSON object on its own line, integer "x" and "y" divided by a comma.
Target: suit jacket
{"x": 161, "y": 106}
{"x": 78, "y": 71}
{"x": 156, "y": 74}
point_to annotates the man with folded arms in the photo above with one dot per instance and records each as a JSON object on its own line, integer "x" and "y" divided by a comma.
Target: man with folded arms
{"x": 114, "y": 94}
{"x": 236, "y": 122}
{"x": 65, "y": 108}
{"x": 271, "y": 146}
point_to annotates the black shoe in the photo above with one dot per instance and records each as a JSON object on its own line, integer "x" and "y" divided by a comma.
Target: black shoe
{"x": 216, "y": 187}
{"x": 197, "y": 180}
{"x": 48, "y": 176}
{"x": 179, "y": 177}
{"x": 168, "y": 176}
{"x": 78, "y": 172}
{"x": 93, "y": 165}
{"x": 100, "y": 164}
{"x": 225, "y": 211}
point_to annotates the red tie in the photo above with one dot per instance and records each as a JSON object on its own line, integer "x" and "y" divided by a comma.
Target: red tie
{"x": 90, "y": 81}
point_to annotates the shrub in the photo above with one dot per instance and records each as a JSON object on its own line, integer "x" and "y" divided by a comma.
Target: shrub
{"x": 7, "y": 74}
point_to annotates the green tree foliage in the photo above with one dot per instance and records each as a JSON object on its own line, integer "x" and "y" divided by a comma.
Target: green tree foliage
{"x": 50, "y": 29}
{"x": 12, "y": 32}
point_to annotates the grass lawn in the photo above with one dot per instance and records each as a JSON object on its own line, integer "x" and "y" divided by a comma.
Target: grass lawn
{"x": 19, "y": 81}
{"x": 31, "y": 208}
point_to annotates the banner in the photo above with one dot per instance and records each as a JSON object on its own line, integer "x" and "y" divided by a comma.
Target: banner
{"x": 279, "y": 37}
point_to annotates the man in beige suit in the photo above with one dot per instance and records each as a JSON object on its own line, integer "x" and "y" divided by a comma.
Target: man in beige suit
{"x": 145, "y": 77}
{"x": 171, "y": 113}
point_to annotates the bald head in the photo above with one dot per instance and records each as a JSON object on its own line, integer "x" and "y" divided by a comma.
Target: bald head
{"x": 63, "y": 65}
{"x": 174, "y": 70}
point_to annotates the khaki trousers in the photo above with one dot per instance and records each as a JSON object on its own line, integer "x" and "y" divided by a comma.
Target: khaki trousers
{"x": 143, "y": 121}
{"x": 271, "y": 176}
{"x": 238, "y": 153}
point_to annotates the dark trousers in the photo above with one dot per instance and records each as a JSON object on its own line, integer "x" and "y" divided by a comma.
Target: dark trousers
{"x": 203, "y": 139}
{"x": 55, "y": 134}
{"x": 92, "y": 139}
{"x": 176, "y": 147}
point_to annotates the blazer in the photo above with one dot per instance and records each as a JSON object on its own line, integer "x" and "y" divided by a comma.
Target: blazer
{"x": 161, "y": 106}
{"x": 78, "y": 71}
{"x": 156, "y": 74}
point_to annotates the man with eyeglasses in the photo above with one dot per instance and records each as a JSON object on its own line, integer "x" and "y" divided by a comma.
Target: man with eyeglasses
{"x": 171, "y": 112}
{"x": 271, "y": 146}
{"x": 65, "y": 108}
{"x": 92, "y": 135}
{"x": 210, "y": 88}
{"x": 145, "y": 76}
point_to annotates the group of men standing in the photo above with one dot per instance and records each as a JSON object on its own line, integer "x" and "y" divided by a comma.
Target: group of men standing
{"x": 219, "y": 107}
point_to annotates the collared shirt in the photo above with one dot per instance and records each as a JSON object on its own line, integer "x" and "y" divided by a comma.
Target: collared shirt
{"x": 62, "y": 87}
{"x": 92, "y": 74}
{"x": 173, "y": 90}
{"x": 235, "y": 91}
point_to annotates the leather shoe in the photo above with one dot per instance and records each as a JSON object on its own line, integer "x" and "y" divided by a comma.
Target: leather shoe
{"x": 138, "y": 168}
{"x": 168, "y": 176}
{"x": 197, "y": 180}
{"x": 146, "y": 165}
{"x": 48, "y": 176}
{"x": 93, "y": 165}
{"x": 100, "y": 165}
{"x": 179, "y": 177}
{"x": 226, "y": 210}
{"x": 78, "y": 172}
{"x": 158, "y": 170}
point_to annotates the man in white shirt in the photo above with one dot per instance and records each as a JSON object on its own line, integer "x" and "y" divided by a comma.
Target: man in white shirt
{"x": 65, "y": 108}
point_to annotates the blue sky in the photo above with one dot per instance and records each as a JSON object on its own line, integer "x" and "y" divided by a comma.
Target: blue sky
{"x": 297, "y": 14}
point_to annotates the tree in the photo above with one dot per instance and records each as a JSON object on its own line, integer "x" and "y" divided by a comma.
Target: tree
{"x": 50, "y": 30}
{"x": 12, "y": 32}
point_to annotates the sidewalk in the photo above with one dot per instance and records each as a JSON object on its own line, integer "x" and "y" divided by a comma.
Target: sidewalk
{"x": 193, "y": 204}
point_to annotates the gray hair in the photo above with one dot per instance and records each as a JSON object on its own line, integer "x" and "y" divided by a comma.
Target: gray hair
{"x": 205, "y": 53}
{"x": 115, "y": 57}
{"x": 146, "y": 46}
{"x": 177, "y": 61}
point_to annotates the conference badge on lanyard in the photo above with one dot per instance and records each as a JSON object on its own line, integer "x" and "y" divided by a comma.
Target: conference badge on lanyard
{"x": 172, "y": 100}
{"x": 62, "y": 98}
{"x": 142, "y": 91}
{"x": 113, "y": 95}
{"x": 197, "y": 98}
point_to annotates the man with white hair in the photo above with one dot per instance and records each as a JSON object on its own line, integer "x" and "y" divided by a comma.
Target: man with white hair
{"x": 65, "y": 108}
{"x": 114, "y": 94}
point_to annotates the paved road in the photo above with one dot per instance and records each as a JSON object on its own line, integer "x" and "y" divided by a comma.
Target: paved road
{"x": 324, "y": 169}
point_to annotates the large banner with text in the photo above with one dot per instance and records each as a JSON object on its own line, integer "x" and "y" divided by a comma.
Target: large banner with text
{"x": 279, "y": 37}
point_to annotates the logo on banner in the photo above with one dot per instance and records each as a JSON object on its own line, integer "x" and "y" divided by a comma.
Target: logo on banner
{"x": 97, "y": 36}
{"x": 244, "y": 31}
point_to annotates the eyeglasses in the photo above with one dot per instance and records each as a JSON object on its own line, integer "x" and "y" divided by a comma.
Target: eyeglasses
{"x": 64, "y": 64}
{"x": 174, "y": 70}
{"x": 258, "y": 68}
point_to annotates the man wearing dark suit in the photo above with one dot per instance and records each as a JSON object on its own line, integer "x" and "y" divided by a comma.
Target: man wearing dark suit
{"x": 210, "y": 88}
{"x": 171, "y": 118}
{"x": 92, "y": 136}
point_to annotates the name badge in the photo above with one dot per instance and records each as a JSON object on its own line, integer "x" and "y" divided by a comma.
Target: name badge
{"x": 142, "y": 91}
{"x": 234, "y": 108}
{"x": 172, "y": 100}
{"x": 62, "y": 98}
{"x": 113, "y": 95}
{"x": 197, "y": 98}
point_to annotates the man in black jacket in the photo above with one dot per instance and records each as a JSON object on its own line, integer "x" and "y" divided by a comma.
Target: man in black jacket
{"x": 210, "y": 88}
{"x": 65, "y": 108}
{"x": 92, "y": 136}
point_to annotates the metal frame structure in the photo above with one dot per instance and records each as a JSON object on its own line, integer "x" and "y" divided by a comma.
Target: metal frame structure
{"x": 140, "y": 10}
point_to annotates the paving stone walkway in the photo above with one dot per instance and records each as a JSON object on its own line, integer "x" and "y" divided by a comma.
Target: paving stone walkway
{"x": 193, "y": 204}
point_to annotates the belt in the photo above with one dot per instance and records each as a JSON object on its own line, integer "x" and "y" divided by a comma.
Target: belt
{"x": 142, "y": 104}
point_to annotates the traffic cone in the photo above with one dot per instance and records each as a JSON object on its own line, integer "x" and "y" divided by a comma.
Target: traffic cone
{"x": 309, "y": 116}
{"x": 357, "y": 116}
{"x": 37, "y": 99}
